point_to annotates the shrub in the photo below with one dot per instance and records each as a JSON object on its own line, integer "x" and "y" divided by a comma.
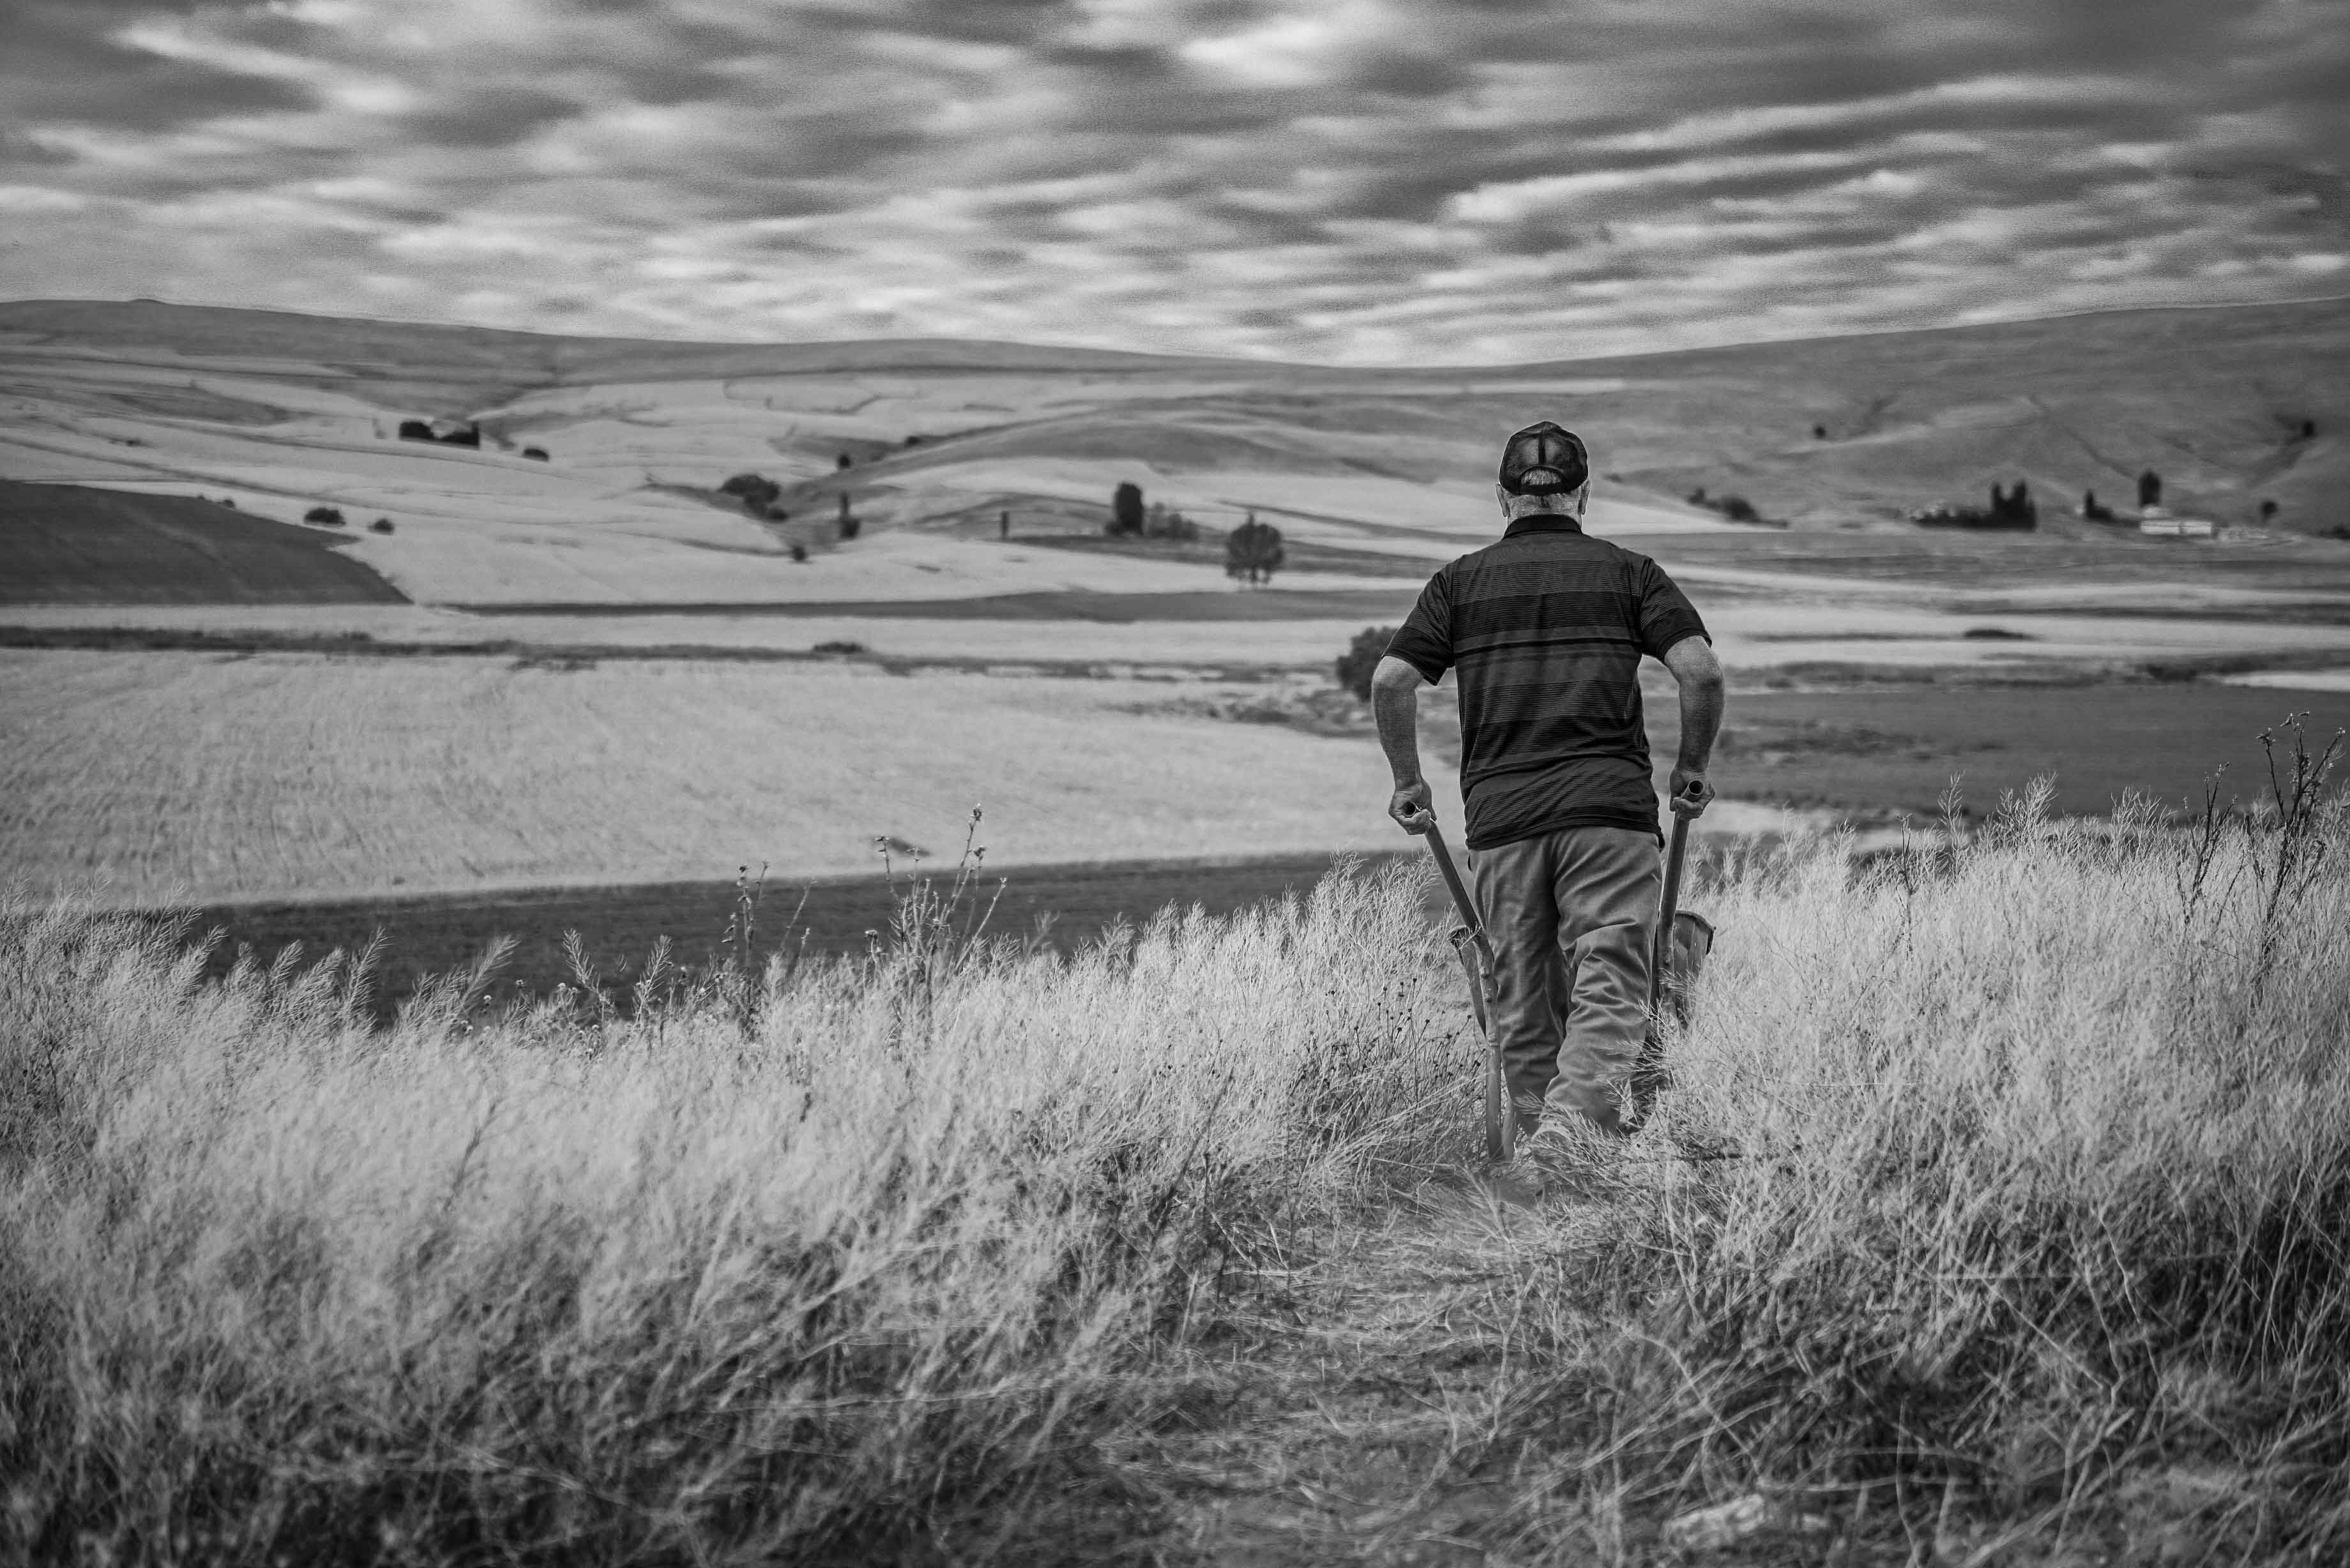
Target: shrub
{"x": 416, "y": 429}
{"x": 536, "y": 454}
{"x": 325, "y": 515}
{"x": 381, "y": 525}
{"x": 799, "y": 551}
{"x": 1163, "y": 522}
{"x": 1362, "y": 656}
{"x": 756, "y": 490}
{"x": 1737, "y": 508}
{"x": 2150, "y": 489}
{"x": 1252, "y": 552}
{"x": 839, "y": 647}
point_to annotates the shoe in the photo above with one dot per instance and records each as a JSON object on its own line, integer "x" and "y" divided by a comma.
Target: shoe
{"x": 1569, "y": 1160}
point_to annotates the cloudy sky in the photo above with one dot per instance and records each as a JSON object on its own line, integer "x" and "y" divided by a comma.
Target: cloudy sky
{"x": 1351, "y": 180}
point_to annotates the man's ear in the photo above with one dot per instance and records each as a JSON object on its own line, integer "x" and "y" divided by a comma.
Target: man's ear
{"x": 1583, "y": 498}
{"x": 1502, "y": 496}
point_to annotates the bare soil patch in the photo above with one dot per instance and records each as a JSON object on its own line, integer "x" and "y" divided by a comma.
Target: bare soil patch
{"x": 1059, "y": 908}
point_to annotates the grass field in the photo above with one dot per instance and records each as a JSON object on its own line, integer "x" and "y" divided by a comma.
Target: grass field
{"x": 179, "y": 776}
{"x": 2038, "y": 1250}
{"x": 65, "y": 544}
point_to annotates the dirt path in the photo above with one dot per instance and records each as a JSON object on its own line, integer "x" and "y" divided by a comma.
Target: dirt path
{"x": 1345, "y": 1407}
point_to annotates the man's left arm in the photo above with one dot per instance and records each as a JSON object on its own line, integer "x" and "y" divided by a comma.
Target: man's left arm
{"x": 1699, "y": 672}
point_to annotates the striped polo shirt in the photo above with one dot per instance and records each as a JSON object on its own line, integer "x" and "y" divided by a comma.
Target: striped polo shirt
{"x": 1546, "y": 628}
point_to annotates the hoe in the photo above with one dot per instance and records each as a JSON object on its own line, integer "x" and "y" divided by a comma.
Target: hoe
{"x": 1683, "y": 939}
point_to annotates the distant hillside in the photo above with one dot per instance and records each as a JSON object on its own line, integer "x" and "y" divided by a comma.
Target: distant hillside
{"x": 943, "y": 441}
{"x": 61, "y": 544}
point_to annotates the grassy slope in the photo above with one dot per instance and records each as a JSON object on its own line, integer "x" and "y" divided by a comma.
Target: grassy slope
{"x": 1174, "y": 1253}
{"x": 68, "y": 544}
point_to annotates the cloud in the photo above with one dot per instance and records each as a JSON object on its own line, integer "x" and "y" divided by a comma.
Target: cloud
{"x": 1340, "y": 179}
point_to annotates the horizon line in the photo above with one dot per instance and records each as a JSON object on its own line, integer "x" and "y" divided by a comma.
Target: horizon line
{"x": 396, "y": 321}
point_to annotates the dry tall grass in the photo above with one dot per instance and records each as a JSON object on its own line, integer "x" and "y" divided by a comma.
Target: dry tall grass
{"x": 2037, "y": 1246}
{"x": 858, "y": 1258}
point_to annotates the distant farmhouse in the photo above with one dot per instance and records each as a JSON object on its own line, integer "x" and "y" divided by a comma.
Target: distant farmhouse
{"x": 2156, "y": 520}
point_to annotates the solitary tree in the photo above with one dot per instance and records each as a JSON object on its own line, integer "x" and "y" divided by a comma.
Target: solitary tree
{"x": 1252, "y": 552}
{"x": 2150, "y": 489}
{"x": 1126, "y": 509}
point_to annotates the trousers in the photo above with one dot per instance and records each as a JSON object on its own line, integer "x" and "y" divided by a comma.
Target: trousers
{"x": 1571, "y": 915}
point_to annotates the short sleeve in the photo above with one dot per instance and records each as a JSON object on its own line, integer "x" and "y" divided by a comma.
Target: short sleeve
{"x": 1425, "y": 639}
{"x": 1666, "y": 614}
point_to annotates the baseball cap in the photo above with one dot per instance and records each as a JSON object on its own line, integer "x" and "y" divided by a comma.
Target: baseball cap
{"x": 1544, "y": 460}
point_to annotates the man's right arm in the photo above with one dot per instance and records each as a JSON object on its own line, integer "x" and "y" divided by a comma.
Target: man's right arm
{"x": 1395, "y": 708}
{"x": 1693, "y": 665}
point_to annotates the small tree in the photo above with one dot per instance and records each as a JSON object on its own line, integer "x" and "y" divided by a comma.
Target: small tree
{"x": 536, "y": 454}
{"x": 1362, "y": 656}
{"x": 2150, "y": 489}
{"x": 381, "y": 525}
{"x": 415, "y": 430}
{"x": 327, "y": 514}
{"x": 1252, "y": 552}
{"x": 1126, "y": 510}
{"x": 848, "y": 523}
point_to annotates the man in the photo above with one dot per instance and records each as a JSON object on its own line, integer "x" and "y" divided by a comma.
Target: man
{"x": 1547, "y": 628}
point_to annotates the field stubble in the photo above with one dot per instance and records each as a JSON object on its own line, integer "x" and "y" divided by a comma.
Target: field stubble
{"x": 1173, "y": 1250}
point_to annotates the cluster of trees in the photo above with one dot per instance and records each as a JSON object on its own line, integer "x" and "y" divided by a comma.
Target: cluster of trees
{"x": 1252, "y": 552}
{"x": 2009, "y": 509}
{"x": 325, "y": 515}
{"x": 463, "y": 435}
{"x": 1131, "y": 518}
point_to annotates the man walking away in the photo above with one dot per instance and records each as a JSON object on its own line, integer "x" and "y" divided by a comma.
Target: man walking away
{"x": 1546, "y": 628}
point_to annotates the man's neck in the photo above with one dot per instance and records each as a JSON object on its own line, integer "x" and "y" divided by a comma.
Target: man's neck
{"x": 1544, "y": 523}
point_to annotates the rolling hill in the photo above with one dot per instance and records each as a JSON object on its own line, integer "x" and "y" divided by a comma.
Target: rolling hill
{"x": 282, "y": 411}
